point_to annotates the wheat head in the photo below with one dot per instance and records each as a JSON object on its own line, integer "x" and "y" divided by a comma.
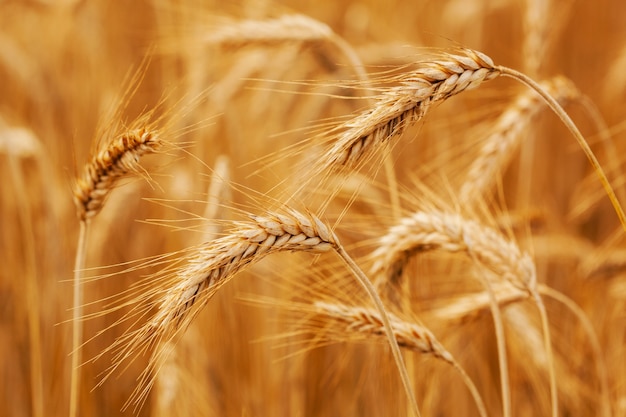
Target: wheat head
{"x": 425, "y": 231}
{"x": 118, "y": 159}
{"x": 399, "y": 107}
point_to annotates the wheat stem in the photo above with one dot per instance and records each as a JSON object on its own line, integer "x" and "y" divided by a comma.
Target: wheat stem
{"x": 77, "y": 324}
{"x": 548, "y": 347}
{"x": 371, "y": 291}
{"x": 571, "y": 126}
{"x": 32, "y": 290}
{"x": 499, "y": 329}
{"x": 593, "y": 340}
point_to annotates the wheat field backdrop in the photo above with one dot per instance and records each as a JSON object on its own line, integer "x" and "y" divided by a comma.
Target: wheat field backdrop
{"x": 312, "y": 208}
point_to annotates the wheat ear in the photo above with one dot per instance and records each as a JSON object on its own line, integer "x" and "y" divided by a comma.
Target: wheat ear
{"x": 367, "y": 322}
{"x": 192, "y": 281}
{"x": 399, "y": 107}
{"x": 286, "y": 28}
{"x": 115, "y": 160}
{"x": 424, "y": 231}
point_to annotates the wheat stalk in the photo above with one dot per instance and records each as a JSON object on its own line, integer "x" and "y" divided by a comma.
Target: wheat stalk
{"x": 116, "y": 160}
{"x": 571, "y": 126}
{"x": 21, "y": 144}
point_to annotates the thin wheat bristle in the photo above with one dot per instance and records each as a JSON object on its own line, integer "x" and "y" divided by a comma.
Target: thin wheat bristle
{"x": 117, "y": 160}
{"x": 367, "y": 322}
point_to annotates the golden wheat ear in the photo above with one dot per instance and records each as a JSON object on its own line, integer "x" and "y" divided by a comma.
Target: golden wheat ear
{"x": 188, "y": 285}
{"x": 117, "y": 160}
{"x": 399, "y": 107}
{"x": 427, "y": 231}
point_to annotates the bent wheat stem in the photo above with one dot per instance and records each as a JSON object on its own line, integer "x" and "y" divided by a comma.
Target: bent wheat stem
{"x": 371, "y": 291}
{"x": 77, "y": 325}
{"x": 571, "y": 126}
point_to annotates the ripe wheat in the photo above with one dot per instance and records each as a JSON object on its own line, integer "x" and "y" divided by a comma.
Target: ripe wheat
{"x": 424, "y": 231}
{"x": 399, "y": 107}
{"x": 366, "y": 321}
{"x": 115, "y": 161}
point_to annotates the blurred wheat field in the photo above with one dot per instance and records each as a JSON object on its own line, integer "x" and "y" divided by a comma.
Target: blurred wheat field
{"x": 226, "y": 161}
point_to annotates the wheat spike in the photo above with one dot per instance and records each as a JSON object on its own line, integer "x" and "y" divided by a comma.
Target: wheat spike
{"x": 194, "y": 279}
{"x": 424, "y": 231}
{"x": 366, "y": 321}
{"x": 116, "y": 160}
{"x": 399, "y": 107}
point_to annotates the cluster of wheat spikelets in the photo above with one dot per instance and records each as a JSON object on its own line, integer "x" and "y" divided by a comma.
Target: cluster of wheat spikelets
{"x": 293, "y": 213}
